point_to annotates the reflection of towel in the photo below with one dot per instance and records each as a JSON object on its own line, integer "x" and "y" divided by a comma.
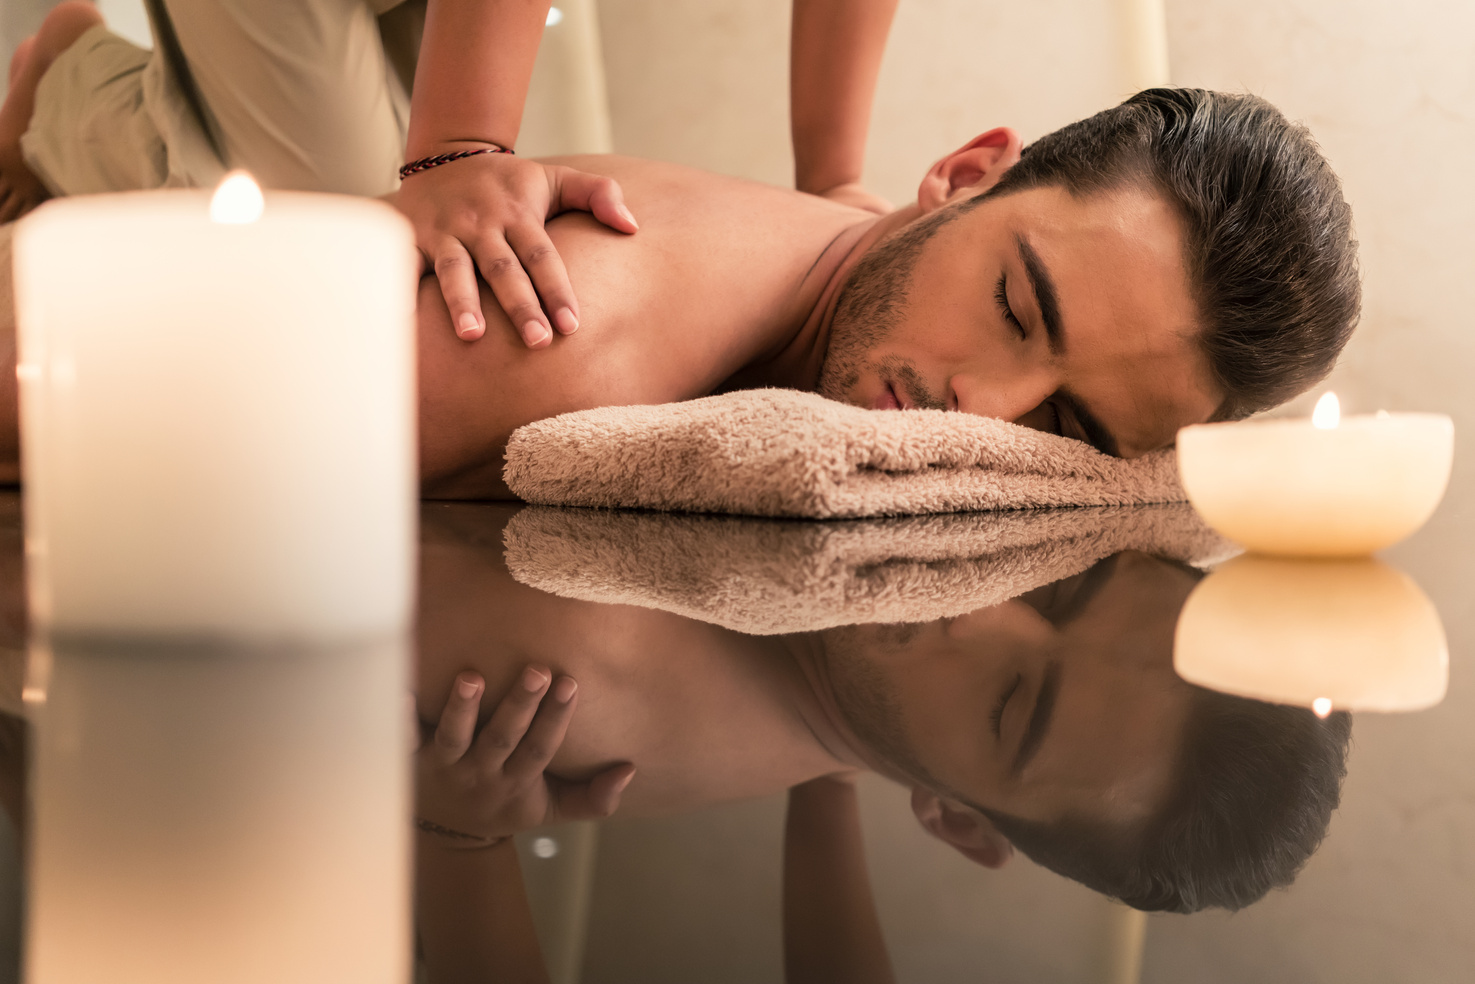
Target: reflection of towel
{"x": 773, "y": 576}
{"x": 785, "y": 453}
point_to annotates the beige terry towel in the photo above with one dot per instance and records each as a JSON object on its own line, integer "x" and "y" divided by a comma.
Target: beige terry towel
{"x": 767, "y": 577}
{"x": 780, "y": 452}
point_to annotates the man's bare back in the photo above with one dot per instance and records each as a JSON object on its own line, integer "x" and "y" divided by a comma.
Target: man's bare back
{"x": 725, "y": 278}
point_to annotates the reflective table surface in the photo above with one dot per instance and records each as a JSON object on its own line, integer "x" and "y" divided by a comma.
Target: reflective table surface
{"x": 1001, "y": 688}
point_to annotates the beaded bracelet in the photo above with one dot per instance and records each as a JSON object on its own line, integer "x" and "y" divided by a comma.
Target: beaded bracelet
{"x": 465, "y": 841}
{"x": 426, "y": 163}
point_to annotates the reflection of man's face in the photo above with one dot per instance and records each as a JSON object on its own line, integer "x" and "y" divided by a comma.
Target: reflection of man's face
{"x": 1069, "y": 315}
{"x": 1061, "y": 703}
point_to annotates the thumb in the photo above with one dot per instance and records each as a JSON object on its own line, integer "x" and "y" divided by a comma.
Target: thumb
{"x": 592, "y": 193}
{"x": 595, "y": 799}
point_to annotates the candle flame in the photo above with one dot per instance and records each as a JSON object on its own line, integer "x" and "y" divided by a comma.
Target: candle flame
{"x": 1321, "y": 706}
{"x": 1328, "y": 412}
{"x": 237, "y": 200}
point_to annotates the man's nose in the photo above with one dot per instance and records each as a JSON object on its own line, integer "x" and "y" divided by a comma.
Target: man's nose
{"x": 1018, "y": 395}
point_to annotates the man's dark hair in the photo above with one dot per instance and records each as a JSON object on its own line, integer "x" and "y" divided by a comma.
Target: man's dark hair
{"x": 1256, "y": 787}
{"x": 1269, "y": 247}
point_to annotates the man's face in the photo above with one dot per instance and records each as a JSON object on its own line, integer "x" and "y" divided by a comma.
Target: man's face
{"x": 1061, "y": 703}
{"x": 1069, "y": 315}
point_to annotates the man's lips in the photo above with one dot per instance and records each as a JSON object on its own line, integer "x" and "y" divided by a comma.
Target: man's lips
{"x": 889, "y": 399}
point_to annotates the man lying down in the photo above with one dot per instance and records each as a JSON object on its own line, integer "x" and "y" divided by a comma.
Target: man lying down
{"x": 1182, "y": 257}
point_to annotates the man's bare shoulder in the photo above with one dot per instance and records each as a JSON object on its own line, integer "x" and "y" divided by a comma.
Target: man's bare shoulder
{"x": 708, "y": 285}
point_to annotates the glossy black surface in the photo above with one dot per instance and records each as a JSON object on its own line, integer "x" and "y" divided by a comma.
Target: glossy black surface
{"x": 1019, "y": 664}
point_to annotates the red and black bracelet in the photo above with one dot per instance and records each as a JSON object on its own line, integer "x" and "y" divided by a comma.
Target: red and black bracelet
{"x": 426, "y": 163}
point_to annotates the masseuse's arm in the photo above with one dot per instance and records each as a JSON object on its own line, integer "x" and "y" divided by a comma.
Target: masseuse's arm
{"x": 834, "y": 60}
{"x": 831, "y": 933}
{"x": 473, "y": 791}
{"x": 487, "y": 212}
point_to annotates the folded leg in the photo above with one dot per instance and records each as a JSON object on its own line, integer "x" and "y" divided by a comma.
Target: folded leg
{"x": 296, "y": 91}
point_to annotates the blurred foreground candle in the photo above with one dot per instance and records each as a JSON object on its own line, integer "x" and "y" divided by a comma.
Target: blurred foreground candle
{"x": 1352, "y": 635}
{"x": 217, "y": 414}
{"x": 1326, "y": 487}
{"x": 218, "y": 455}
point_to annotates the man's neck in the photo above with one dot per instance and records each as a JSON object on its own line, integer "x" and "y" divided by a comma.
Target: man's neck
{"x": 798, "y": 355}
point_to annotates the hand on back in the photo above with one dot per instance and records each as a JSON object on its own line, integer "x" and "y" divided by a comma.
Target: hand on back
{"x": 486, "y": 213}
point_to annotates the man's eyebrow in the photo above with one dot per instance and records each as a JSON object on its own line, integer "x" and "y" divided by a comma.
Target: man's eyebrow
{"x": 1096, "y": 433}
{"x": 1045, "y": 294}
{"x": 1087, "y": 584}
{"x": 1048, "y": 300}
{"x": 1039, "y": 720}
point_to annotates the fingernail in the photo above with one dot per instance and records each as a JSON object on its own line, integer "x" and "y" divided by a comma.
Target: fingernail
{"x": 467, "y": 323}
{"x": 536, "y": 333}
{"x": 466, "y": 688}
{"x": 567, "y": 321}
{"x": 564, "y": 691}
{"x": 533, "y": 680}
{"x": 626, "y": 213}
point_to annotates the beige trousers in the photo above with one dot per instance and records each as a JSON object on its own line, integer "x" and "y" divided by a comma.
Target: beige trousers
{"x": 305, "y": 94}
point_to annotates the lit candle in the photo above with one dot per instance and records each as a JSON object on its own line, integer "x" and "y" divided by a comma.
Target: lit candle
{"x": 1327, "y": 487}
{"x": 217, "y": 414}
{"x": 217, "y": 410}
{"x": 1325, "y": 634}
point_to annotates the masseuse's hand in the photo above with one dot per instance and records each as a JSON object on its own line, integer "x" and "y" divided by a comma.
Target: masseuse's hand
{"x": 476, "y": 789}
{"x": 487, "y": 213}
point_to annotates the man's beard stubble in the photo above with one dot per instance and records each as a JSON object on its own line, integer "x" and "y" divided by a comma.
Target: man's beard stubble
{"x": 866, "y": 698}
{"x": 869, "y": 307}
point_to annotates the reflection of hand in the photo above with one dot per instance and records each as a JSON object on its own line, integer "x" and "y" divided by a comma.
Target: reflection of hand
{"x": 487, "y": 213}
{"x": 853, "y": 194}
{"x": 476, "y": 790}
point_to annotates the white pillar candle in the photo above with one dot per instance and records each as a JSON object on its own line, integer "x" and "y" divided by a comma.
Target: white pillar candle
{"x": 1293, "y": 488}
{"x": 217, "y": 415}
{"x": 1325, "y": 634}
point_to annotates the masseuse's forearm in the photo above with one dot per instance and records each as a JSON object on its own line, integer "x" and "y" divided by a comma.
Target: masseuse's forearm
{"x": 476, "y": 60}
{"x": 472, "y": 916}
{"x": 831, "y": 933}
{"x": 834, "y": 59}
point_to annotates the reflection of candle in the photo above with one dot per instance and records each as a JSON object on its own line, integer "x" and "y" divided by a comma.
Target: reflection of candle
{"x": 1323, "y": 488}
{"x": 1324, "y": 634}
{"x": 217, "y": 414}
{"x": 220, "y": 815}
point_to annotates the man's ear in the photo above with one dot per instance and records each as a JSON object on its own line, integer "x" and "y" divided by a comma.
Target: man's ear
{"x": 973, "y": 168}
{"x": 969, "y": 833}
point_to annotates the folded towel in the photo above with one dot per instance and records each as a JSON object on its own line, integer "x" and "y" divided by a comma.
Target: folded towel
{"x": 766, "y": 577}
{"x": 776, "y": 452}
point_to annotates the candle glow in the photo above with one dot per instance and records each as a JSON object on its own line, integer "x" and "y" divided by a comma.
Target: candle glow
{"x": 1328, "y": 412}
{"x": 1321, "y": 706}
{"x": 237, "y": 200}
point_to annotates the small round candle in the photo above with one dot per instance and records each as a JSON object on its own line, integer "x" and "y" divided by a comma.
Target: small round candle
{"x": 1318, "y": 488}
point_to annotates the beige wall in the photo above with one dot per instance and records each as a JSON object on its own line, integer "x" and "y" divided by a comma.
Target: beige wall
{"x": 705, "y": 82}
